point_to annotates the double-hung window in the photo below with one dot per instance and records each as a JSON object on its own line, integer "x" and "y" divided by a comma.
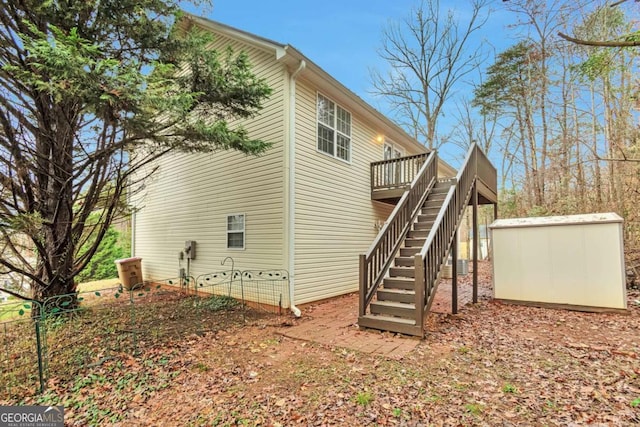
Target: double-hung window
{"x": 334, "y": 129}
{"x": 235, "y": 231}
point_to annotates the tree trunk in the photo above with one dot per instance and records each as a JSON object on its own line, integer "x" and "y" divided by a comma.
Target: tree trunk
{"x": 55, "y": 269}
{"x": 597, "y": 174}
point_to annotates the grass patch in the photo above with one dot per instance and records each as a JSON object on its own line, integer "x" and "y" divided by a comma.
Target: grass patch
{"x": 102, "y": 329}
{"x": 473, "y": 408}
{"x": 98, "y": 284}
{"x": 218, "y": 303}
{"x": 14, "y": 310}
{"x": 364, "y": 398}
{"x": 509, "y": 388}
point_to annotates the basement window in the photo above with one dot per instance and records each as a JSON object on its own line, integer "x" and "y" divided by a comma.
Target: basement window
{"x": 235, "y": 231}
{"x": 334, "y": 129}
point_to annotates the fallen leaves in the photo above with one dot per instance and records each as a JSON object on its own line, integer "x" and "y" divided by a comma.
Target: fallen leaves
{"x": 492, "y": 364}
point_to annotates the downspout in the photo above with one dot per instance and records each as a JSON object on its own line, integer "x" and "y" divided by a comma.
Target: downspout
{"x": 292, "y": 187}
{"x": 133, "y": 235}
{"x": 132, "y": 251}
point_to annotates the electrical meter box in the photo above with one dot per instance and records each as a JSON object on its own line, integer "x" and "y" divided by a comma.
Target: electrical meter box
{"x": 190, "y": 249}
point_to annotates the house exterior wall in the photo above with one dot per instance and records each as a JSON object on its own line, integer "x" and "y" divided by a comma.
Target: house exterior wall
{"x": 335, "y": 218}
{"x": 191, "y": 195}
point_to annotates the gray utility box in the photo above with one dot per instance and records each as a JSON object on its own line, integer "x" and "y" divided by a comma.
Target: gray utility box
{"x": 190, "y": 249}
{"x": 463, "y": 268}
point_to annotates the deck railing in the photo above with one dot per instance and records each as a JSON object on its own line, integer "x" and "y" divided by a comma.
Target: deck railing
{"x": 375, "y": 263}
{"x": 487, "y": 172}
{"x": 396, "y": 173}
{"x": 429, "y": 261}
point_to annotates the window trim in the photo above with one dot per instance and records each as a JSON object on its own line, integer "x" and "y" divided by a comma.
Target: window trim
{"x": 335, "y": 130}
{"x": 244, "y": 231}
{"x": 394, "y": 147}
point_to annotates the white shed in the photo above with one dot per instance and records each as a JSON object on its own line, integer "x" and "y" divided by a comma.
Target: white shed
{"x": 575, "y": 261}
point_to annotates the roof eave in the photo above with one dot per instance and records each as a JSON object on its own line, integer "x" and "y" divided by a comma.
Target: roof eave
{"x": 291, "y": 57}
{"x": 324, "y": 80}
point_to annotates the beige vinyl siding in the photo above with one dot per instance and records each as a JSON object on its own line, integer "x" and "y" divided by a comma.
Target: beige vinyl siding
{"x": 191, "y": 195}
{"x": 335, "y": 216}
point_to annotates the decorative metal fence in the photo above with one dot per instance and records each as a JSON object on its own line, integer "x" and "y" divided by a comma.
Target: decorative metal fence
{"x": 21, "y": 361}
{"x": 68, "y": 334}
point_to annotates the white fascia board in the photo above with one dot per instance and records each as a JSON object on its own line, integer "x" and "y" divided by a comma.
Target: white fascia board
{"x": 251, "y": 39}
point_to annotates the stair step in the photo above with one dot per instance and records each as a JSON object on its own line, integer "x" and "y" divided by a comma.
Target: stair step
{"x": 444, "y": 189}
{"x": 393, "y": 324}
{"x": 441, "y": 188}
{"x": 392, "y": 308}
{"x": 432, "y": 204}
{"x": 424, "y": 225}
{"x": 402, "y": 272}
{"x": 420, "y": 233}
{"x": 447, "y": 180}
{"x": 431, "y": 209}
{"x": 410, "y": 252}
{"x": 405, "y": 261}
{"x": 397, "y": 295}
{"x": 414, "y": 242}
{"x": 398, "y": 283}
{"x": 427, "y": 217}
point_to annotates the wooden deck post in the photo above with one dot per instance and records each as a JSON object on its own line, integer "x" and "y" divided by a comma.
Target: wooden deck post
{"x": 363, "y": 285}
{"x": 475, "y": 241}
{"x": 420, "y": 291}
{"x": 454, "y": 274}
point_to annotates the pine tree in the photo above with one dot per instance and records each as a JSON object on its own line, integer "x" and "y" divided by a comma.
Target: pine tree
{"x": 92, "y": 92}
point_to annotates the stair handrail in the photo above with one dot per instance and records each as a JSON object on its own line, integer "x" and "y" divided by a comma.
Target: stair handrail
{"x": 429, "y": 260}
{"x": 375, "y": 263}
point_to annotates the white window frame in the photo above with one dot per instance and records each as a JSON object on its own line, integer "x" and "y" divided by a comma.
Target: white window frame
{"x": 243, "y": 231}
{"x": 334, "y": 128}
{"x": 395, "y": 148}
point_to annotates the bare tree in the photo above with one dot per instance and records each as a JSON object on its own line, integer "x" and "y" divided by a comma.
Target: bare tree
{"x": 427, "y": 55}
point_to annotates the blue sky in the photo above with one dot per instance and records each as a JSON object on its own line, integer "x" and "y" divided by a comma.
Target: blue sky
{"x": 343, "y": 36}
{"x": 340, "y": 36}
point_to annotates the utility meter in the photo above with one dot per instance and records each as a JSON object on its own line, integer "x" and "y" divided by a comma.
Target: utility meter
{"x": 190, "y": 249}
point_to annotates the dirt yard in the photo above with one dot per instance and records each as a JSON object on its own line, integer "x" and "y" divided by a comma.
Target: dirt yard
{"x": 492, "y": 364}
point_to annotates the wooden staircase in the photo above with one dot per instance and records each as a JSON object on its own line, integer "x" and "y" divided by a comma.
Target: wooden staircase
{"x": 394, "y": 306}
{"x": 400, "y": 271}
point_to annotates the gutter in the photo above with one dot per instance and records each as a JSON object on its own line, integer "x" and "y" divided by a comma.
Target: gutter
{"x": 292, "y": 187}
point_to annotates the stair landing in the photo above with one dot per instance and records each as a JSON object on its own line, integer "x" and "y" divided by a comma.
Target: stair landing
{"x": 334, "y": 323}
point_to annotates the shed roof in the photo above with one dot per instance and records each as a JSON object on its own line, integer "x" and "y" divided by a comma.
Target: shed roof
{"x": 547, "y": 221}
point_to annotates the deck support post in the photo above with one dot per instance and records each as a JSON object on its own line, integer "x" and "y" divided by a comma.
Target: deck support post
{"x": 475, "y": 241}
{"x": 454, "y": 273}
{"x": 420, "y": 291}
{"x": 362, "y": 309}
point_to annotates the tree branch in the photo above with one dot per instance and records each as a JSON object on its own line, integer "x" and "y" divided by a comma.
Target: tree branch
{"x": 610, "y": 43}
